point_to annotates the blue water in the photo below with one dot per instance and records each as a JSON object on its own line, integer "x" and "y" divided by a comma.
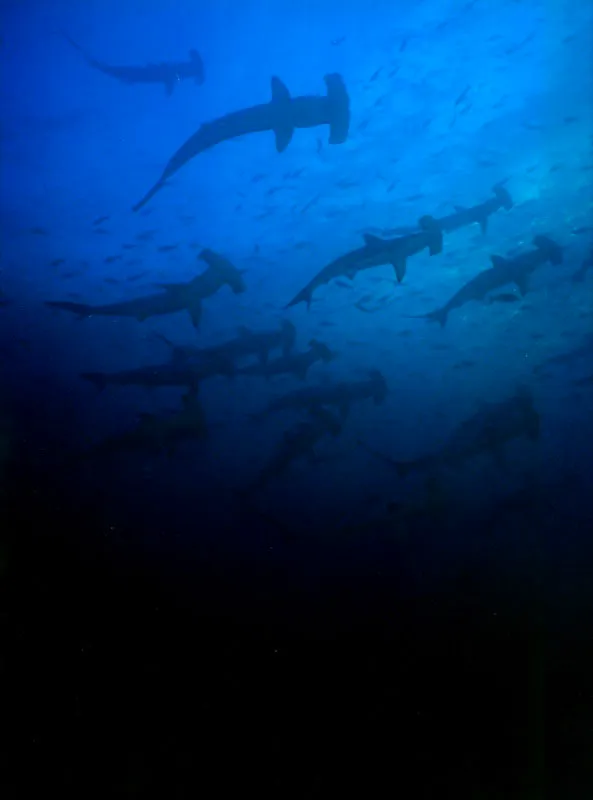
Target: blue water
{"x": 447, "y": 98}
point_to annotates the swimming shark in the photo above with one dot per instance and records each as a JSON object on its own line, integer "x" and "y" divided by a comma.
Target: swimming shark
{"x": 502, "y": 272}
{"x": 155, "y": 433}
{"x": 375, "y": 253}
{"x": 466, "y": 216}
{"x": 298, "y": 442}
{"x": 166, "y": 73}
{"x": 487, "y": 431}
{"x": 188, "y": 373}
{"x": 478, "y": 213}
{"x": 295, "y": 364}
{"x": 339, "y": 395}
{"x": 175, "y": 297}
{"x": 246, "y": 344}
{"x": 281, "y": 116}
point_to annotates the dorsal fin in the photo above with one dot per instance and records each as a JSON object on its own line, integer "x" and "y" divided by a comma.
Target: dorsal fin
{"x": 372, "y": 241}
{"x": 279, "y": 91}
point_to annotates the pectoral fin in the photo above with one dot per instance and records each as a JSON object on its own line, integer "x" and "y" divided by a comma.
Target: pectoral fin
{"x": 399, "y": 265}
{"x": 195, "y": 312}
{"x": 522, "y": 283}
{"x": 283, "y": 134}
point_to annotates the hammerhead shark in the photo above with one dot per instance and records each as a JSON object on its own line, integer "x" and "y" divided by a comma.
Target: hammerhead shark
{"x": 502, "y": 272}
{"x": 166, "y": 73}
{"x": 247, "y": 343}
{"x": 487, "y": 431}
{"x": 156, "y": 433}
{"x": 295, "y": 364}
{"x": 466, "y": 216}
{"x": 375, "y": 253}
{"x": 298, "y": 442}
{"x": 175, "y": 297}
{"x": 189, "y": 373}
{"x": 340, "y": 395}
{"x": 281, "y": 116}
{"x": 477, "y": 214}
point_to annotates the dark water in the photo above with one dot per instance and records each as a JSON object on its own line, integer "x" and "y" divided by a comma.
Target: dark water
{"x": 183, "y": 618}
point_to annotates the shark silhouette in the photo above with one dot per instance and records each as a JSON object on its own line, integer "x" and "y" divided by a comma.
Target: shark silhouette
{"x": 502, "y": 272}
{"x": 487, "y": 431}
{"x": 167, "y": 73}
{"x": 338, "y": 395}
{"x": 281, "y": 116}
{"x": 478, "y": 213}
{"x": 375, "y": 253}
{"x": 175, "y": 297}
{"x": 297, "y": 364}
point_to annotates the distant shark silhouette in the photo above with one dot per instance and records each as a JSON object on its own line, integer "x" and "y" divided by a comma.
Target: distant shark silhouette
{"x": 281, "y": 116}
{"x": 478, "y": 213}
{"x": 375, "y": 253}
{"x": 487, "y": 431}
{"x": 502, "y": 272}
{"x": 167, "y": 73}
{"x": 296, "y": 364}
{"x": 338, "y": 395}
{"x": 175, "y": 297}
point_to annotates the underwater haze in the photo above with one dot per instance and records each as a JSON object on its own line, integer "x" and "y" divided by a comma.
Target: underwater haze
{"x": 296, "y": 310}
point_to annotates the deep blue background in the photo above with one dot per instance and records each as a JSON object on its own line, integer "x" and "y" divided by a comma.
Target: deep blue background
{"x": 485, "y": 579}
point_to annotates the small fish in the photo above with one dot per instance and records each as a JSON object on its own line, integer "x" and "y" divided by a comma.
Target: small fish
{"x": 463, "y": 95}
{"x": 413, "y": 197}
{"x": 375, "y": 75}
{"x": 466, "y": 364}
{"x": 145, "y": 236}
{"x": 111, "y": 259}
{"x": 337, "y": 42}
{"x": 259, "y": 177}
{"x": 343, "y": 284}
{"x": 570, "y": 120}
{"x": 101, "y": 231}
{"x": 57, "y": 261}
{"x": 128, "y": 246}
{"x": 113, "y": 281}
{"x": 39, "y": 231}
{"x": 137, "y": 276}
{"x": 167, "y": 248}
{"x": 100, "y": 220}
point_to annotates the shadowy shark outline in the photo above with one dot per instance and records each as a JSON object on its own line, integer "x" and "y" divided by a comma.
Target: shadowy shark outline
{"x": 167, "y": 73}
{"x": 281, "y": 116}
{"x": 175, "y": 297}
{"x": 502, "y": 272}
{"x": 375, "y": 253}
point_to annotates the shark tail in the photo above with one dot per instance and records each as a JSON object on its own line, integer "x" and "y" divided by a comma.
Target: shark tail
{"x": 439, "y": 315}
{"x": 82, "y": 309}
{"x": 149, "y": 195}
{"x": 98, "y": 379}
{"x": 304, "y": 296}
{"x": 402, "y": 468}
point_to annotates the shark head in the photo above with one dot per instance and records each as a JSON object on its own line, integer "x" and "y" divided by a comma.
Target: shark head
{"x": 503, "y": 197}
{"x": 322, "y": 351}
{"x": 548, "y": 246}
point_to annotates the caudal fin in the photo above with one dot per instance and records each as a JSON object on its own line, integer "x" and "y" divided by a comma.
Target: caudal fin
{"x": 82, "y": 309}
{"x": 148, "y": 196}
{"x": 98, "y": 379}
{"x": 439, "y": 315}
{"x": 304, "y": 296}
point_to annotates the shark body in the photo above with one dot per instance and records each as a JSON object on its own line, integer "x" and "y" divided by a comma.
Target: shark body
{"x": 175, "y": 297}
{"x": 503, "y": 272}
{"x": 281, "y": 116}
{"x": 166, "y": 73}
{"x": 375, "y": 253}
{"x": 487, "y": 431}
{"x": 338, "y": 395}
{"x": 297, "y": 364}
